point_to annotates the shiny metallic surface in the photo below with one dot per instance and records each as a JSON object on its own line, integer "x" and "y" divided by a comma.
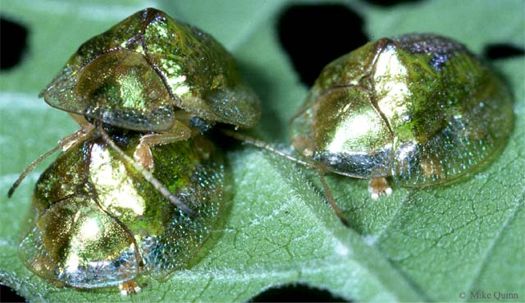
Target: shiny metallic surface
{"x": 420, "y": 108}
{"x": 139, "y": 72}
{"x": 96, "y": 222}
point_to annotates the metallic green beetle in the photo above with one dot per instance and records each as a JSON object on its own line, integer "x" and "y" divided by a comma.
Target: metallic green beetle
{"x": 419, "y": 108}
{"x": 139, "y": 73}
{"x": 95, "y": 222}
{"x": 153, "y": 74}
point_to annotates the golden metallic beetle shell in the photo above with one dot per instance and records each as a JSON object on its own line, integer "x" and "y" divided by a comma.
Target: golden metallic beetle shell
{"x": 420, "y": 108}
{"x": 96, "y": 222}
{"x": 138, "y": 73}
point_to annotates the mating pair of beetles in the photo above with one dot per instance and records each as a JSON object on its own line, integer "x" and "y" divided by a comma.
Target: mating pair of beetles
{"x": 138, "y": 188}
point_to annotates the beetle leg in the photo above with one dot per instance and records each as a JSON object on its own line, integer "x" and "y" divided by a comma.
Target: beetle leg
{"x": 129, "y": 288}
{"x": 143, "y": 153}
{"x": 378, "y": 186}
{"x": 331, "y": 200}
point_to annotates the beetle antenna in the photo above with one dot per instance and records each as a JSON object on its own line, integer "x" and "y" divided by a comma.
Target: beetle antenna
{"x": 266, "y": 146}
{"x": 146, "y": 174}
{"x": 30, "y": 168}
{"x": 261, "y": 144}
{"x": 64, "y": 144}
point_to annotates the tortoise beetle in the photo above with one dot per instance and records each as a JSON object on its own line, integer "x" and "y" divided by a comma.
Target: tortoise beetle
{"x": 96, "y": 223}
{"x": 140, "y": 73}
{"x": 419, "y": 108}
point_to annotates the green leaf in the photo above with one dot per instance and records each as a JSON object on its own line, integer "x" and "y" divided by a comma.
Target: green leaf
{"x": 431, "y": 244}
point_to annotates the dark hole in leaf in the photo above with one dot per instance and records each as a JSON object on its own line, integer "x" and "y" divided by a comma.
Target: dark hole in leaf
{"x": 9, "y": 295}
{"x": 314, "y": 35}
{"x": 296, "y": 293}
{"x": 502, "y": 51}
{"x": 387, "y": 3}
{"x": 13, "y": 43}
